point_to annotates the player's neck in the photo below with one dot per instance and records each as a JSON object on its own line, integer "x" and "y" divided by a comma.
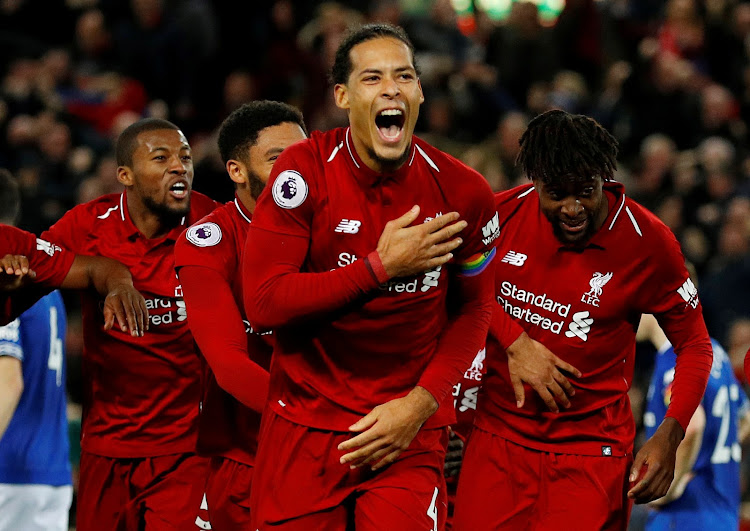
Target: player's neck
{"x": 148, "y": 222}
{"x": 247, "y": 199}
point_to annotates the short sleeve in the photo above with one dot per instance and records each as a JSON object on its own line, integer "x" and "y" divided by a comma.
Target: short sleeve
{"x": 10, "y": 340}
{"x": 286, "y": 205}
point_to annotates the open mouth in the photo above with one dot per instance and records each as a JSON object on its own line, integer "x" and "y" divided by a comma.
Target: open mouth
{"x": 179, "y": 189}
{"x": 390, "y": 124}
{"x": 574, "y": 226}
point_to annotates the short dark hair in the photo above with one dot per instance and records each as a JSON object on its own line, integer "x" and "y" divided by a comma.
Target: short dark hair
{"x": 559, "y": 146}
{"x": 342, "y": 64}
{"x": 10, "y": 198}
{"x": 240, "y": 129}
{"x": 127, "y": 141}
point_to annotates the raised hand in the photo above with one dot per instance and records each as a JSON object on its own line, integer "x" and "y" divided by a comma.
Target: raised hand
{"x": 405, "y": 251}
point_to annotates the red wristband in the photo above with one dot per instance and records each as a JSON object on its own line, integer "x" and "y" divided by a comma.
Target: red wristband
{"x": 376, "y": 267}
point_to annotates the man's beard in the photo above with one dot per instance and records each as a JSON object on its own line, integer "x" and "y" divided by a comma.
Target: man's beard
{"x": 582, "y": 240}
{"x": 169, "y": 217}
{"x": 255, "y": 183}
{"x": 389, "y": 164}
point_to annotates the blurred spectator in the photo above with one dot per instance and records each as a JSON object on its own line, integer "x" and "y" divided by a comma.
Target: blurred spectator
{"x": 523, "y": 51}
{"x": 495, "y": 158}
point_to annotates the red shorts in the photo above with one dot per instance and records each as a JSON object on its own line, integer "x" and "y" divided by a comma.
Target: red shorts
{"x": 225, "y": 497}
{"x": 137, "y": 493}
{"x": 506, "y": 486}
{"x": 299, "y": 483}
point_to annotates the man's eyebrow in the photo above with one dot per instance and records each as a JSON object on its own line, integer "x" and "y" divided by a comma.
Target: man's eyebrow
{"x": 274, "y": 151}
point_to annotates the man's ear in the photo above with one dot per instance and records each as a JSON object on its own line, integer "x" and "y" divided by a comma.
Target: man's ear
{"x": 237, "y": 171}
{"x": 125, "y": 175}
{"x": 341, "y": 96}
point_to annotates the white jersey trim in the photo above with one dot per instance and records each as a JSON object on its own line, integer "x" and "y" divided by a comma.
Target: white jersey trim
{"x": 239, "y": 209}
{"x": 635, "y": 223}
{"x": 428, "y": 159}
{"x": 122, "y": 208}
{"x": 335, "y": 150}
{"x": 524, "y": 194}
{"x": 617, "y": 214}
{"x": 350, "y": 148}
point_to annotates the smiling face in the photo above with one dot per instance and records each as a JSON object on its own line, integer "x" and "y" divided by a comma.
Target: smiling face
{"x": 576, "y": 209}
{"x": 382, "y": 96}
{"x": 160, "y": 177}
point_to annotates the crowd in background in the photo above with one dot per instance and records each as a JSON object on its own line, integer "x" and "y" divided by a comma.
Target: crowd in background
{"x": 669, "y": 78}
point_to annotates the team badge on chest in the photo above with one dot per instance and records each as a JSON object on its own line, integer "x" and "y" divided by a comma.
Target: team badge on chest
{"x": 597, "y": 283}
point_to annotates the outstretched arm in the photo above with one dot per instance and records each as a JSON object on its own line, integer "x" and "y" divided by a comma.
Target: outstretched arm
{"x": 113, "y": 281}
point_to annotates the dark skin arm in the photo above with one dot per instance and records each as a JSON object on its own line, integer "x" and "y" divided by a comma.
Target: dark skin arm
{"x": 653, "y": 468}
{"x": 113, "y": 281}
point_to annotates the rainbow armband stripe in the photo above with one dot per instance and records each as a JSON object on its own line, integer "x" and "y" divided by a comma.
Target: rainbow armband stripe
{"x": 477, "y": 263}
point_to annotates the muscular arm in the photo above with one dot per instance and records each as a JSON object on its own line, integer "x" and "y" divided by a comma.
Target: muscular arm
{"x": 218, "y": 329}
{"x": 113, "y": 281}
{"x": 11, "y": 387}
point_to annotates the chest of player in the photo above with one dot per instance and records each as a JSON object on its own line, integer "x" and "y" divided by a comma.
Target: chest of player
{"x": 572, "y": 295}
{"x": 350, "y": 218}
{"x": 151, "y": 264}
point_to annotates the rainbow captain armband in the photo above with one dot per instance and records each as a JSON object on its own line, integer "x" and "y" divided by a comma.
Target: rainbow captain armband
{"x": 477, "y": 263}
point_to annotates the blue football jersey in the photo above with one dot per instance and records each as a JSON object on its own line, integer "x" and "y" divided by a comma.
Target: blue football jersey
{"x": 35, "y": 448}
{"x": 712, "y": 498}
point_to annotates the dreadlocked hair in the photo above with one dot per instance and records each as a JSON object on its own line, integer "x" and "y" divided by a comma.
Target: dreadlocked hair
{"x": 559, "y": 146}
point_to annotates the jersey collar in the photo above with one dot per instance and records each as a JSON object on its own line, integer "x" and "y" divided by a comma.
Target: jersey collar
{"x": 133, "y": 232}
{"x": 244, "y": 212}
{"x": 370, "y": 177}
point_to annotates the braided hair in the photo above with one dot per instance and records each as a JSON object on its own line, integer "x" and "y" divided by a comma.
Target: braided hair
{"x": 559, "y": 146}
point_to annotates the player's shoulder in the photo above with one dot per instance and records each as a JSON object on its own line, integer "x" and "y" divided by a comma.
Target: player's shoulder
{"x": 460, "y": 182}
{"x": 210, "y": 230}
{"x": 635, "y": 222}
{"x": 105, "y": 207}
{"x": 201, "y": 205}
{"x": 517, "y": 196}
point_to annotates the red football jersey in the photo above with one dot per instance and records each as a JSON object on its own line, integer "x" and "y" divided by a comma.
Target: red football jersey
{"x": 141, "y": 394}
{"x": 330, "y": 370}
{"x": 465, "y": 394}
{"x": 50, "y": 263}
{"x": 584, "y": 305}
{"x": 226, "y": 427}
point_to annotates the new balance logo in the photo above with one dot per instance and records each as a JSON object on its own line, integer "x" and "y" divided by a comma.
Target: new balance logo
{"x": 348, "y": 226}
{"x": 514, "y": 258}
{"x": 580, "y": 326}
{"x": 689, "y": 293}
